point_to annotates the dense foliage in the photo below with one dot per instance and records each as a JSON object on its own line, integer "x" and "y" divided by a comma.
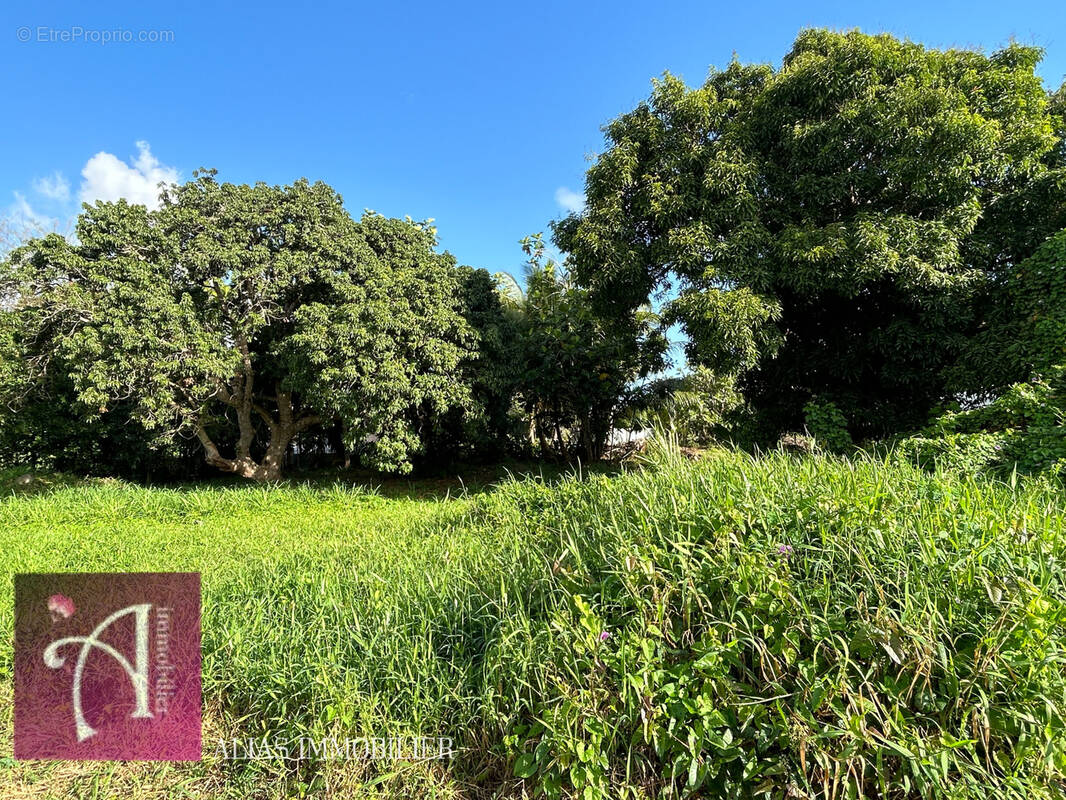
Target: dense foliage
{"x": 259, "y": 309}
{"x": 794, "y": 628}
{"x": 1024, "y": 427}
{"x": 838, "y": 227}
{"x": 578, "y": 365}
{"x": 238, "y": 320}
{"x": 1027, "y": 334}
{"x": 695, "y": 408}
{"x": 852, "y": 245}
{"x": 491, "y": 427}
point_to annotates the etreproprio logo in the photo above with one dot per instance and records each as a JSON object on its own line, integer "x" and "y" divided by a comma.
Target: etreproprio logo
{"x": 107, "y": 666}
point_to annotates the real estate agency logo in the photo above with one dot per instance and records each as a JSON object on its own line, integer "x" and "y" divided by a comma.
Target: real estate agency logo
{"x": 107, "y": 666}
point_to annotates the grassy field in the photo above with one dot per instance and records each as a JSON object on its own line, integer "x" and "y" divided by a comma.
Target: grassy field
{"x": 786, "y": 627}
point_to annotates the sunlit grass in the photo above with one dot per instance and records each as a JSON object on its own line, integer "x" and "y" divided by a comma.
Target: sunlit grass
{"x": 850, "y": 624}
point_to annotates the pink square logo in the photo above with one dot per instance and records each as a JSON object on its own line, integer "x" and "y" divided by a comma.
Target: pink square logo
{"x": 107, "y": 666}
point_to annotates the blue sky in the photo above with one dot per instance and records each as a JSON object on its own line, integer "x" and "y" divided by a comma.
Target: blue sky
{"x": 479, "y": 115}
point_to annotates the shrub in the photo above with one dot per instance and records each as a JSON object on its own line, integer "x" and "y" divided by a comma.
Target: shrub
{"x": 957, "y": 452}
{"x": 694, "y": 407}
{"x": 827, "y": 424}
{"x": 1024, "y": 429}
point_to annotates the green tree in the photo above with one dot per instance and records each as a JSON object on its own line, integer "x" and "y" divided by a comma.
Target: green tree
{"x": 250, "y": 313}
{"x": 578, "y": 366}
{"x": 1023, "y": 351}
{"x": 490, "y": 426}
{"x": 49, "y": 429}
{"x": 833, "y": 229}
{"x": 1033, "y": 329}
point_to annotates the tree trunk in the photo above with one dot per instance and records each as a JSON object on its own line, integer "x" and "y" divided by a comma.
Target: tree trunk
{"x": 336, "y": 441}
{"x": 545, "y": 452}
{"x": 269, "y": 469}
{"x": 593, "y": 437}
{"x": 282, "y": 432}
{"x": 560, "y": 443}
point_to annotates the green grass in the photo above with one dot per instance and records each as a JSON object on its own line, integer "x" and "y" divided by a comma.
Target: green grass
{"x": 907, "y": 642}
{"x": 284, "y": 572}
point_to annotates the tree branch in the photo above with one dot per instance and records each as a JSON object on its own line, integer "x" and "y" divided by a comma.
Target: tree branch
{"x": 306, "y": 422}
{"x": 264, "y": 415}
{"x": 211, "y": 454}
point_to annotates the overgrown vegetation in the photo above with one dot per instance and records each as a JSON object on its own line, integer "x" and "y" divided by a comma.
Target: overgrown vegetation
{"x": 735, "y": 627}
{"x": 841, "y": 229}
{"x": 851, "y": 242}
{"x": 865, "y": 251}
{"x": 577, "y": 366}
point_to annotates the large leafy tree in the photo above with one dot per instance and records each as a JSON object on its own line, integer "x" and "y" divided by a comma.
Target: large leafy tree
{"x": 579, "y": 367}
{"x": 1025, "y": 334}
{"x": 832, "y": 229}
{"x": 243, "y": 316}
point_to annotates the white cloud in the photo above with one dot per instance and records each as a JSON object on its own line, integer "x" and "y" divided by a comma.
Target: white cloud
{"x": 108, "y": 178}
{"x": 570, "y": 201}
{"x": 21, "y": 221}
{"x": 105, "y": 177}
{"x": 54, "y": 187}
{"x": 23, "y": 212}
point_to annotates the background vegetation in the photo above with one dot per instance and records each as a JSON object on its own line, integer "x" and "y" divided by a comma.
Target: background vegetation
{"x": 855, "y": 243}
{"x": 843, "y": 576}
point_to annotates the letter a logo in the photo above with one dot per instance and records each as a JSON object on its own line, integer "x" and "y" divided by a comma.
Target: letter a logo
{"x": 138, "y": 674}
{"x": 107, "y": 666}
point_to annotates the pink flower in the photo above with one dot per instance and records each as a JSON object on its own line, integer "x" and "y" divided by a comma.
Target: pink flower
{"x": 605, "y": 636}
{"x": 60, "y": 606}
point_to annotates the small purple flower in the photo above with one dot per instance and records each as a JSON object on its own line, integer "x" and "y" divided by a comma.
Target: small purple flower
{"x": 784, "y": 550}
{"x": 605, "y": 636}
{"x": 60, "y": 606}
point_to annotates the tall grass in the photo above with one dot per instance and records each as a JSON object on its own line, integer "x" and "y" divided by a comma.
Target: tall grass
{"x": 812, "y": 627}
{"x": 736, "y": 627}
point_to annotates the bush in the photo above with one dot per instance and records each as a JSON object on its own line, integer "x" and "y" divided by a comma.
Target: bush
{"x": 827, "y": 424}
{"x": 693, "y": 407}
{"x": 54, "y": 432}
{"x": 1023, "y": 429}
{"x": 577, "y": 364}
{"x": 1036, "y": 291}
{"x": 957, "y": 452}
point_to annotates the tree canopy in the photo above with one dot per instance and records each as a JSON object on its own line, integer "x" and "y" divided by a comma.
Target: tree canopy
{"x": 261, "y": 308}
{"x": 578, "y": 366}
{"x": 835, "y": 229}
{"x": 856, "y": 243}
